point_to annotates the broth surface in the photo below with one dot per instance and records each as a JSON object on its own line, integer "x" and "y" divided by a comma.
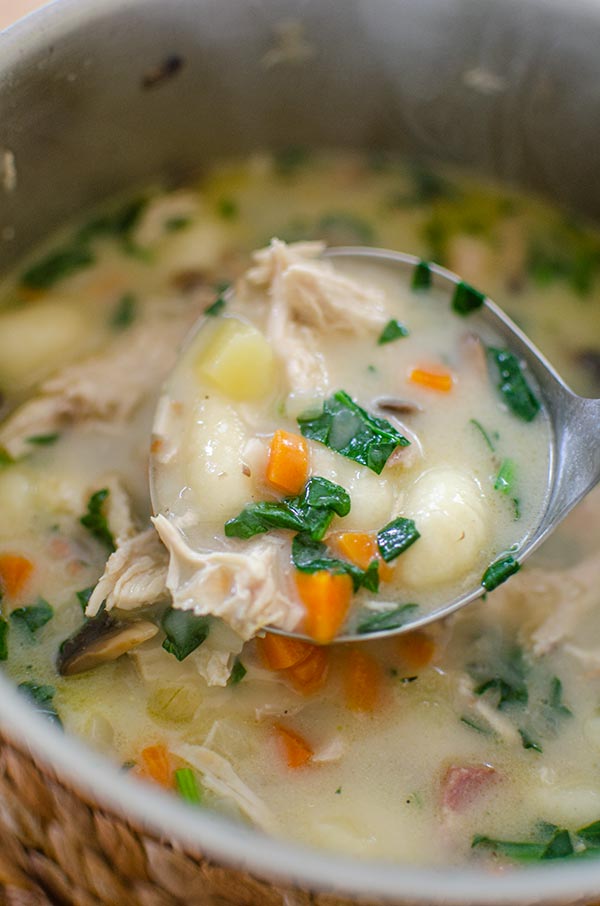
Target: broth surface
{"x": 484, "y": 730}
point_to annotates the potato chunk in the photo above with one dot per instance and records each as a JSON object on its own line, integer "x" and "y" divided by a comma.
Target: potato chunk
{"x": 239, "y": 360}
{"x": 36, "y": 340}
{"x": 450, "y": 512}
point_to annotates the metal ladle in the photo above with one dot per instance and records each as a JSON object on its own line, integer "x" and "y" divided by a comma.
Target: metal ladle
{"x": 575, "y": 426}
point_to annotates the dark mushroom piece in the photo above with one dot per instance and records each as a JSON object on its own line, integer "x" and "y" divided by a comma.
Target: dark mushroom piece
{"x": 396, "y": 406}
{"x": 99, "y": 641}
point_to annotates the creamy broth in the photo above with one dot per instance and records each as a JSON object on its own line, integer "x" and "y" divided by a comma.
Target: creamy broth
{"x": 469, "y": 494}
{"x": 484, "y": 730}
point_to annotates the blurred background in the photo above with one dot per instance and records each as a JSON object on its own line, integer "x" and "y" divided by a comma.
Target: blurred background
{"x": 10, "y": 10}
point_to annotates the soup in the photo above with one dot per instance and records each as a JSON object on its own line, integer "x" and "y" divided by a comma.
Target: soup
{"x": 474, "y": 740}
{"x": 261, "y": 470}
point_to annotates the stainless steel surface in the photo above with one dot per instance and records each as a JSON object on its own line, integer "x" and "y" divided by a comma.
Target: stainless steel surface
{"x": 505, "y": 86}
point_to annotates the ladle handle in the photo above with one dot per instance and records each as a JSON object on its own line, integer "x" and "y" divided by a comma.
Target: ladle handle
{"x": 577, "y": 462}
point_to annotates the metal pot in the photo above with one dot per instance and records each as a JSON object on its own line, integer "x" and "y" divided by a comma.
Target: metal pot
{"x": 97, "y": 96}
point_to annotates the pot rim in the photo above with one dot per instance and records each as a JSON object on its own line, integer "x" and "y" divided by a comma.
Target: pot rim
{"x": 214, "y": 835}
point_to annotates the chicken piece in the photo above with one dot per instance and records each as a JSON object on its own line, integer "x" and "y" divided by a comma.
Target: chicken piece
{"x": 106, "y": 387}
{"x": 135, "y": 575}
{"x": 240, "y": 588}
{"x": 308, "y": 297}
{"x": 219, "y": 777}
{"x": 549, "y": 605}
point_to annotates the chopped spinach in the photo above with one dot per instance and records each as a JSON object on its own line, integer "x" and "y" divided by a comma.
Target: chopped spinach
{"x": 421, "y": 278}
{"x": 125, "y": 312}
{"x": 176, "y": 224}
{"x": 184, "y": 632}
{"x": 485, "y": 434}
{"x": 499, "y": 571}
{"x": 43, "y": 440}
{"x": 312, "y": 512}
{"x": 475, "y": 726}
{"x": 187, "y": 786}
{"x": 3, "y": 639}
{"x": 590, "y": 834}
{"x": 505, "y": 479}
{"x": 563, "y": 251}
{"x": 118, "y": 223}
{"x": 507, "y": 681}
{"x": 43, "y": 699}
{"x": 345, "y": 427}
{"x": 95, "y": 520}
{"x": 528, "y": 742}
{"x": 345, "y": 228}
{"x": 466, "y": 299}
{"x": 34, "y": 616}
{"x": 227, "y": 208}
{"x": 238, "y": 672}
{"x": 289, "y": 160}
{"x": 393, "y": 330}
{"x": 57, "y": 265}
{"x": 396, "y": 537}
{"x": 553, "y": 843}
{"x": 520, "y": 851}
{"x": 555, "y": 699}
{"x": 84, "y": 596}
{"x": 379, "y": 621}
{"x": 513, "y": 387}
{"x": 310, "y": 556}
{"x": 5, "y": 458}
{"x": 216, "y": 307}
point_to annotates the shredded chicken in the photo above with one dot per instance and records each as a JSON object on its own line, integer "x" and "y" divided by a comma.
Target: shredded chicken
{"x": 550, "y": 604}
{"x": 240, "y": 588}
{"x": 135, "y": 575}
{"x": 501, "y": 725}
{"x": 106, "y": 387}
{"x": 307, "y": 296}
{"x": 219, "y": 777}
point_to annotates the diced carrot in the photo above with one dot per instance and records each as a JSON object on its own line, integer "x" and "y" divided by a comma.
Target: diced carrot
{"x": 295, "y": 749}
{"x": 309, "y": 675}
{"x": 416, "y": 649}
{"x": 361, "y": 549}
{"x": 362, "y": 680}
{"x": 287, "y": 466}
{"x": 277, "y": 652}
{"x": 326, "y": 597}
{"x": 156, "y": 764}
{"x": 15, "y": 572}
{"x": 433, "y": 380}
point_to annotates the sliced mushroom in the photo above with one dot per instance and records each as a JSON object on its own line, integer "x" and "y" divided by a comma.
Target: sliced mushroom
{"x": 101, "y": 640}
{"x": 396, "y": 406}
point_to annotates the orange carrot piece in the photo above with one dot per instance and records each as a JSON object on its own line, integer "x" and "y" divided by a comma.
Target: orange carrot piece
{"x": 310, "y": 675}
{"x": 326, "y": 597}
{"x": 156, "y": 764}
{"x": 416, "y": 649}
{"x": 362, "y": 681}
{"x": 361, "y": 549}
{"x": 15, "y": 572}
{"x": 287, "y": 466}
{"x": 433, "y": 380}
{"x": 296, "y": 750}
{"x": 278, "y": 652}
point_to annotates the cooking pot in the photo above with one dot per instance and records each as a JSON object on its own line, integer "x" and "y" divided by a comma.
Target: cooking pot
{"x": 99, "y": 96}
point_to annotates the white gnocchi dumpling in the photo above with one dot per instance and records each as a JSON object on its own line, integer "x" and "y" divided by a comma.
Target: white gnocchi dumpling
{"x": 374, "y": 499}
{"x": 450, "y": 511}
{"x": 214, "y": 460}
{"x": 38, "y": 339}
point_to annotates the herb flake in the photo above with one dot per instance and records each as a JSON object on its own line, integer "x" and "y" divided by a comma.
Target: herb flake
{"x": 396, "y": 537}
{"x": 95, "y": 520}
{"x": 310, "y": 556}
{"x": 43, "y": 698}
{"x": 184, "y": 632}
{"x": 421, "y": 278}
{"x": 345, "y": 427}
{"x": 499, "y": 572}
{"x": 393, "y": 330}
{"x": 34, "y": 616}
{"x": 125, "y": 312}
{"x": 383, "y": 620}
{"x": 513, "y": 387}
{"x": 466, "y": 299}
{"x": 3, "y": 639}
{"x": 238, "y": 672}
